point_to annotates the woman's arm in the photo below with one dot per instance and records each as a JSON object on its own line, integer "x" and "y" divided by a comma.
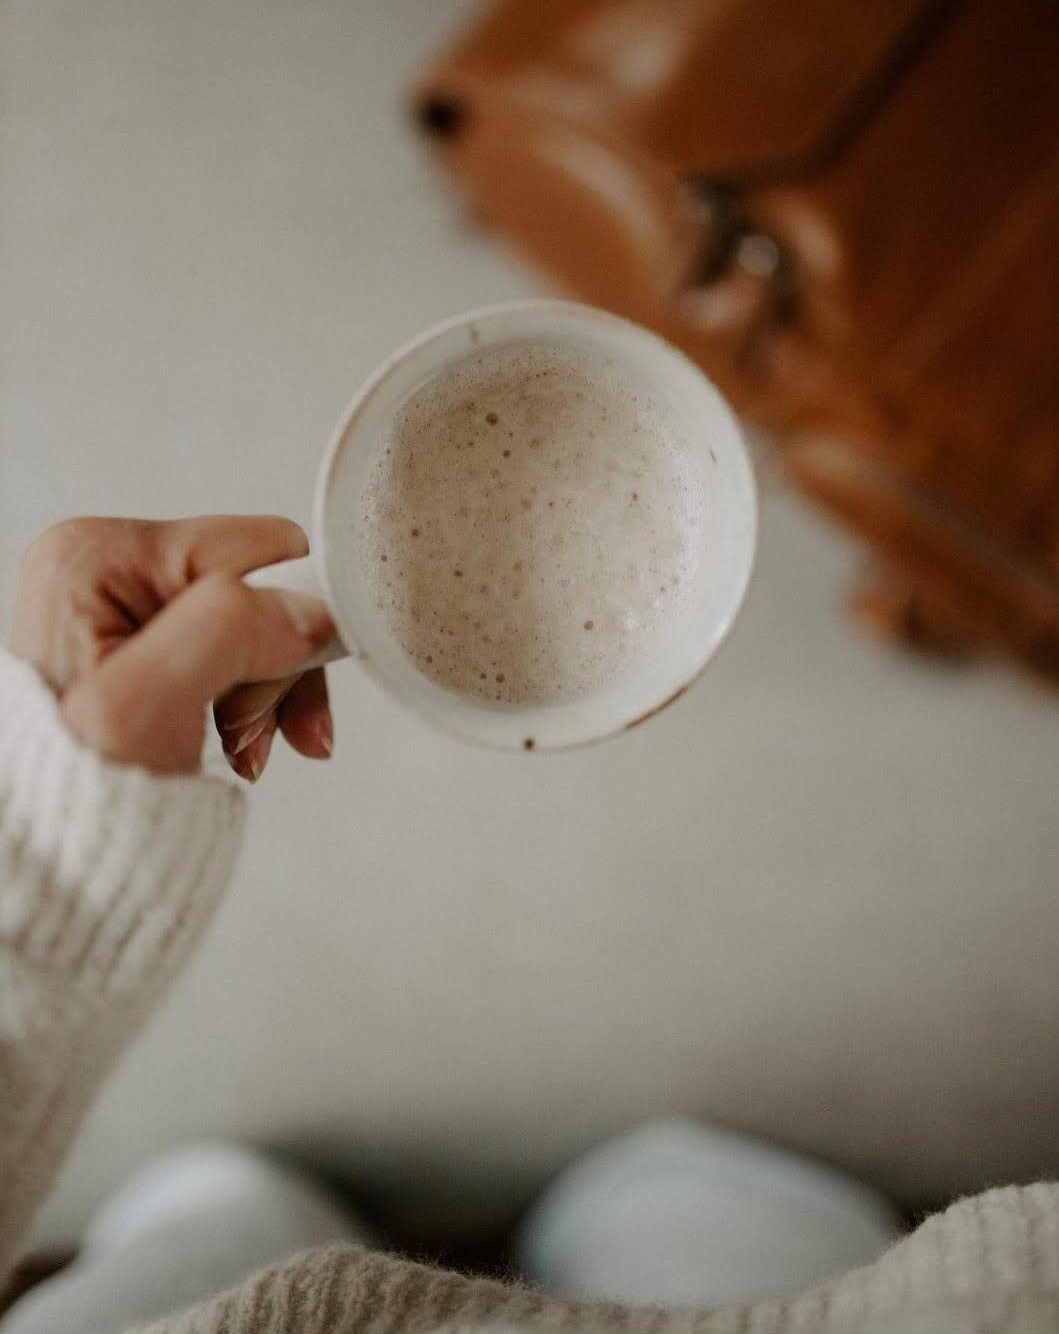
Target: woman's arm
{"x": 107, "y": 877}
{"x": 113, "y": 850}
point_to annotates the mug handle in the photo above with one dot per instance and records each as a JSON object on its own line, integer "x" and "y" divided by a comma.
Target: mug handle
{"x": 299, "y": 576}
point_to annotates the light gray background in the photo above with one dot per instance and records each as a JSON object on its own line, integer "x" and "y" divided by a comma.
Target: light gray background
{"x": 817, "y": 898}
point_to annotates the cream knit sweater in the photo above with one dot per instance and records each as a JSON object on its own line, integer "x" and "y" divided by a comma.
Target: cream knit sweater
{"x": 108, "y": 876}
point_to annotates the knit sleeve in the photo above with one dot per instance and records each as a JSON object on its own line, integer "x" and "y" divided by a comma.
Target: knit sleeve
{"x": 108, "y": 875}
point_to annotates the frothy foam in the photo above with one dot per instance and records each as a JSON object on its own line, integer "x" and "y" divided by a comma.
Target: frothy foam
{"x": 531, "y": 523}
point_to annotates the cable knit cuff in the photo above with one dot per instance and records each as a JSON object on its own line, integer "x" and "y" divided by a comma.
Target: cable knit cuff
{"x": 107, "y": 873}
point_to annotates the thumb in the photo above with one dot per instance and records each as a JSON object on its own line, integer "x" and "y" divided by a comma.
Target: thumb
{"x": 145, "y": 703}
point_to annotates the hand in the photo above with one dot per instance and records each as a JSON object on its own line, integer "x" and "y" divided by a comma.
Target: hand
{"x": 139, "y": 626}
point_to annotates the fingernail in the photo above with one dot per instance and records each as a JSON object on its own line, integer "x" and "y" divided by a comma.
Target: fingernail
{"x": 259, "y": 758}
{"x": 326, "y": 734}
{"x": 247, "y": 719}
{"x": 250, "y": 735}
{"x": 272, "y": 702}
{"x": 308, "y": 615}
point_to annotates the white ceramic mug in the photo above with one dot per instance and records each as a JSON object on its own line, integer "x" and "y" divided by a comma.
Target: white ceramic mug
{"x": 679, "y": 655}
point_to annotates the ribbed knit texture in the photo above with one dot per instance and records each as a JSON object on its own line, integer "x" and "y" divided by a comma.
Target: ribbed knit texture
{"x": 108, "y": 876}
{"x": 990, "y": 1262}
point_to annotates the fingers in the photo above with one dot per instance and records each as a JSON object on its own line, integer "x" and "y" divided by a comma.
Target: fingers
{"x": 247, "y": 720}
{"x": 188, "y": 549}
{"x": 140, "y": 624}
{"x": 81, "y": 589}
{"x": 305, "y": 717}
{"x": 144, "y": 704}
{"x": 251, "y": 760}
{"x": 85, "y": 584}
{"x": 239, "y": 715}
{"x": 220, "y": 633}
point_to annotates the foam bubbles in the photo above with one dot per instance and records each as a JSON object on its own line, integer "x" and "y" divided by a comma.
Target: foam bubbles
{"x": 530, "y": 523}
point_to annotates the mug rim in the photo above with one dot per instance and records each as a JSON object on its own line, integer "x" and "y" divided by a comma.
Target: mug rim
{"x": 585, "y": 315}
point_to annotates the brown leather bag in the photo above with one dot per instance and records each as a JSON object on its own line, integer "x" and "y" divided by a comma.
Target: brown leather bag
{"x": 849, "y": 215}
